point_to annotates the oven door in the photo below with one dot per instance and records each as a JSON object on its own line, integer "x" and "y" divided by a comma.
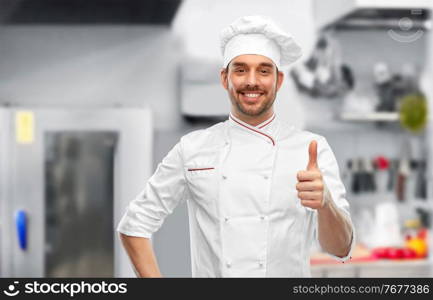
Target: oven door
{"x": 67, "y": 178}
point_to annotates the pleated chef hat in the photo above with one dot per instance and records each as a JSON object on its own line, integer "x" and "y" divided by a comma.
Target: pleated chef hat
{"x": 258, "y": 35}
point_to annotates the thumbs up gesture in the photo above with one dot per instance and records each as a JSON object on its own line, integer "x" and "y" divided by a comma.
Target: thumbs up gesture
{"x": 310, "y": 184}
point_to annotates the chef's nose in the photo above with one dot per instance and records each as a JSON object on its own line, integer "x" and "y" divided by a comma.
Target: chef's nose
{"x": 252, "y": 79}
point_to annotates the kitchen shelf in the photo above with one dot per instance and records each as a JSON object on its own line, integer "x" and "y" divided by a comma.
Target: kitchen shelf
{"x": 374, "y": 116}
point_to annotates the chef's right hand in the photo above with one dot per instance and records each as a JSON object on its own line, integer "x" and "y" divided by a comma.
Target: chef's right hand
{"x": 310, "y": 184}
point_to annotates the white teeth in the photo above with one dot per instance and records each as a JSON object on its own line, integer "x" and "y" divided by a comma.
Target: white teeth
{"x": 252, "y": 95}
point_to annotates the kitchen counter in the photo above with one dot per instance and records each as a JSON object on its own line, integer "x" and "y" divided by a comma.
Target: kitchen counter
{"x": 375, "y": 268}
{"x": 365, "y": 264}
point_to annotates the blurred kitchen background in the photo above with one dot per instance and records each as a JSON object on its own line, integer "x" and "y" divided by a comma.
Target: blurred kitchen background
{"x": 94, "y": 93}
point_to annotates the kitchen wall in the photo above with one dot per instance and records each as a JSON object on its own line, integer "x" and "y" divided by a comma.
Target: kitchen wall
{"x": 91, "y": 66}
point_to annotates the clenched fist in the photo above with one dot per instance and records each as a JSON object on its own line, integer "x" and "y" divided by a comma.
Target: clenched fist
{"x": 310, "y": 186}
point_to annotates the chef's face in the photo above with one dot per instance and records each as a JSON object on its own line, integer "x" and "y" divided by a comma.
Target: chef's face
{"x": 252, "y": 82}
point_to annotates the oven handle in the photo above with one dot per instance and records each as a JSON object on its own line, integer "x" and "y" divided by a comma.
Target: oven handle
{"x": 21, "y": 226}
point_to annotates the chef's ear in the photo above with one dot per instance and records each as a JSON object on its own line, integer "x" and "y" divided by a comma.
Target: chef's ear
{"x": 280, "y": 79}
{"x": 223, "y": 77}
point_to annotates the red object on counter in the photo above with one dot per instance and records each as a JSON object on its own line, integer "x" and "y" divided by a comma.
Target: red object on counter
{"x": 381, "y": 162}
{"x": 394, "y": 253}
{"x": 408, "y": 253}
{"x": 380, "y": 252}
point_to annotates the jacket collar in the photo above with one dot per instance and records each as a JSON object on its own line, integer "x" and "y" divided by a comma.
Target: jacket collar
{"x": 266, "y": 129}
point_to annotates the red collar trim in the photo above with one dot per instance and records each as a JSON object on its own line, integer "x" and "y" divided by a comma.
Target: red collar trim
{"x": 267, "y": 122}
{"x": 264, "y": 134}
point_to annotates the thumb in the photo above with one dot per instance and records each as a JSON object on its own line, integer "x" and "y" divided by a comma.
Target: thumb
{"x": 312, "y": 153}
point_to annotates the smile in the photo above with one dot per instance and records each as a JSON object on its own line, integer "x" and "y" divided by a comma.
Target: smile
{"x": 251, "y": 96}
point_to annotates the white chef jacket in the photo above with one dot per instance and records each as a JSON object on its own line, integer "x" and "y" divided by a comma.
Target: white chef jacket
{"x": 239, "y": 182}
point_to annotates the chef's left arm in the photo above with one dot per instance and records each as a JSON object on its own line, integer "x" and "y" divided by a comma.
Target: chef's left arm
{"x": 320, "y": 189}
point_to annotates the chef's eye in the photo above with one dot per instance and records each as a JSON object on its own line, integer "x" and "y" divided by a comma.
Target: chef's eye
{"x": 240, "y": 70}
{"x": 264, "y": 71}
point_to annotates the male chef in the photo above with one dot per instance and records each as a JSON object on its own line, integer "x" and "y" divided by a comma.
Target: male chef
{"x": 259, "y": 191}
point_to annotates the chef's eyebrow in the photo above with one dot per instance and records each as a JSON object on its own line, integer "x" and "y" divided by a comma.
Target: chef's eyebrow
{"x": 267, "y": 65}
{"x": 263, "y": 64}
{"x": 238, "y": 64}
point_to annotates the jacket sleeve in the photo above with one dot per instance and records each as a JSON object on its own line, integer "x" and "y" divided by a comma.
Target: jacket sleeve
{"x": 162, "y": 193}
{"x": 331, "y": 176}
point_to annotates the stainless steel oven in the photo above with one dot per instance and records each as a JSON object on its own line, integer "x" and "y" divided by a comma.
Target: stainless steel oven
{"x": 66, "y": 177}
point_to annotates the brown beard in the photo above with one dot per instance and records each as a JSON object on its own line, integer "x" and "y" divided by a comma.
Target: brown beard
{"x": 256, "y": 112}
{"x": 265, "y": 106}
